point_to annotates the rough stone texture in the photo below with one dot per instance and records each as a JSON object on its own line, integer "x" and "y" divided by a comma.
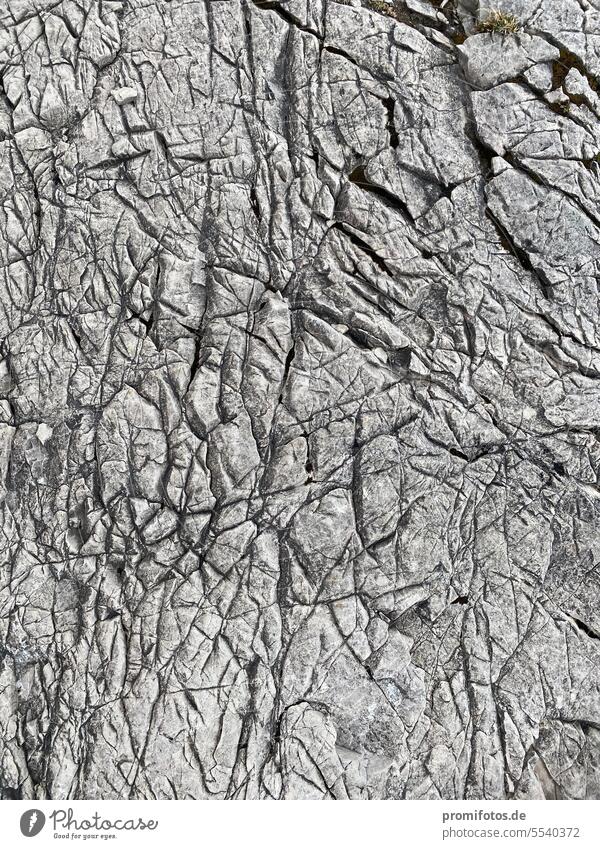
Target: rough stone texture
{"x": 300, "y": 383}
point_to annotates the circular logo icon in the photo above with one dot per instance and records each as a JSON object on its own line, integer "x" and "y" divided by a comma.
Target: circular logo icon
{"x": 32, "y": 822}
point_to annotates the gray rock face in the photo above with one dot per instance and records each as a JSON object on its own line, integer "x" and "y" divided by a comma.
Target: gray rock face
{"x": 299, "y": 400}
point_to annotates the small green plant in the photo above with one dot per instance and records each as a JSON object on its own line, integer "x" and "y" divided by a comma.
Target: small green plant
{"x": 500, "y": 22}
{"x": 383, "y": 8}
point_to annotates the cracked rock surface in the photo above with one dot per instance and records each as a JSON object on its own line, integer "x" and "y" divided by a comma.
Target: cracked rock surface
{"x": 299, "y": 400}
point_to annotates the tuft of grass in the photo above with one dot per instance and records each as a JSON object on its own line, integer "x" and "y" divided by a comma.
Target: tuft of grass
{"x": 500, "y": 22}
